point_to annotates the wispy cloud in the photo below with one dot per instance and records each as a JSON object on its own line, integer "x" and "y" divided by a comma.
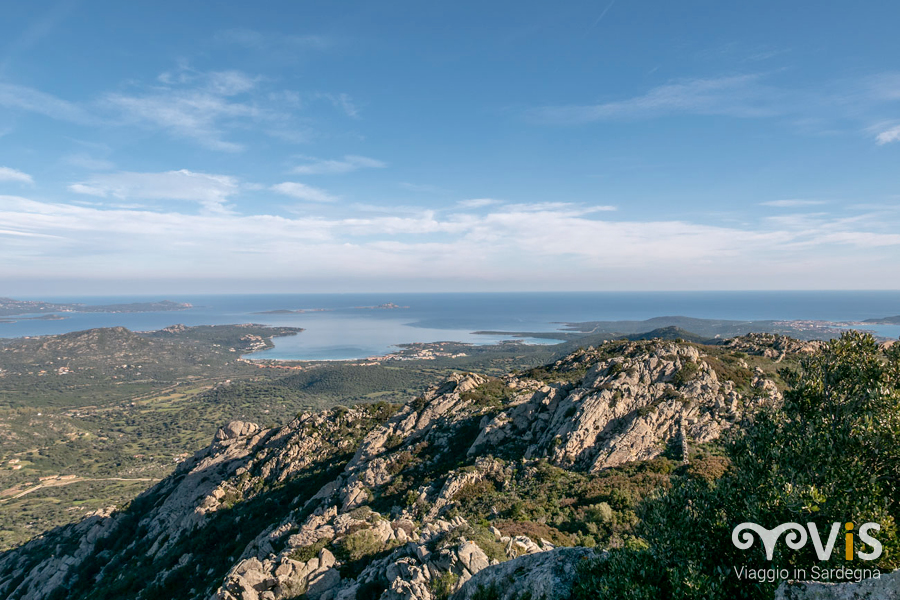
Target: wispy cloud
{"x": 349, "y": 163}
{"x": 738, "y": 96}
{"x": 568, "y": 208}
{"x": 191, "y": 105}
{"x": 273, "y": 41}
{"x": 340, "y": 101}
{"x": 209, "y": 108}
{"x": 20, "y": 97}
{"x": 301, "y": 191}
{"x": 478, "y": 202}
{"x": 10, "y": 174}
{"x": 838, "y": 107}
{"x": 88, "y": 162}
{"x": 891, "y": 134}
{"x": 422, "y": 187}
{"x": 210, "y": 191}
{"x": 792, "y": 203}
{"x": 602, "y": 14}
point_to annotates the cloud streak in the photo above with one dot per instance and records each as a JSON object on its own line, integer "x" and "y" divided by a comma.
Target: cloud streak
{"x": 14, "y": 175}
{"x": 348, "y": 164}
{"x": 736, "y": 96}
{"x": 20, "y": 97}
{"x": 301, "y": 191}
{"x": 792, "y": 203}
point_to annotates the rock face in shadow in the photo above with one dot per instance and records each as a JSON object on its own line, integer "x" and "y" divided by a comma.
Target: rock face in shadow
{"x": 549, "y": 575}
{"x": 886, "y": 587}
{"x": 361, "y": 502}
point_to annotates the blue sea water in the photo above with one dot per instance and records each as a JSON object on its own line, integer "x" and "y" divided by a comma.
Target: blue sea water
{"x": 348, "y": 331}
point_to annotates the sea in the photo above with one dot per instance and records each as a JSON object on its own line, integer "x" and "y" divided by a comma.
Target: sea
{"x": 351, "y": 326}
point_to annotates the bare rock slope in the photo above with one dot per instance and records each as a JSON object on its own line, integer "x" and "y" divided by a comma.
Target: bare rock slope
{"x": 379, "y": 501}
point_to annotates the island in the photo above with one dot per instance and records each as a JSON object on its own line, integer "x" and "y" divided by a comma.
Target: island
{"x": 292, "y": 311}
{"x": 385, "y": 306}
{"x": 10, "y": 307}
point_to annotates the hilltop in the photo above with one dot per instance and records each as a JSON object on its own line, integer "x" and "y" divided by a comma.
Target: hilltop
{"x": 413, "y": 500}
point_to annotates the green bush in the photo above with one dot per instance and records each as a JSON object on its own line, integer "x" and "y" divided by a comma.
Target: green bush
{"x": 493, "y": 393}
{"x": 306, "y": 553}
{"x": 687, "y": 373}
{"x": 442, "y": 585}
{"x": 360, "y": 544}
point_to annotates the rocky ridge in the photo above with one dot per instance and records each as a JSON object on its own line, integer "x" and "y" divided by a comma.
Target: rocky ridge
{"x": 367, "y": 502}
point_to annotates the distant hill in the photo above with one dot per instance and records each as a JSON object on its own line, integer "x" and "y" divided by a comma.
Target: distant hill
{"x": 10, "y": 307}
{"x": 671, "y": 333}
{"x": 884, "y": 321}
{"x": 72, "y": 365}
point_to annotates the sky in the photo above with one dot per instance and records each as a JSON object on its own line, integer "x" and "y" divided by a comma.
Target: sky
{"x": 308, "y": 146}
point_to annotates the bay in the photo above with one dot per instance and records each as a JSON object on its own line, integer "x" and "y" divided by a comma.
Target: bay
{"x": 349, "y": 326}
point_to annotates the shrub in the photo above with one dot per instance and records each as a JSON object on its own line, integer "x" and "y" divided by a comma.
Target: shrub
{"x": 687, "y": 373}
{"x": 306, "y": 553}
{"x": 493, "y": 393}
{"x": 360, "y": 544}
{"x": 442, "y": 585}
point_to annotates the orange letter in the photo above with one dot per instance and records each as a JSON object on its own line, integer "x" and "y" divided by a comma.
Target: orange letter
{"x": 848, "y": 542}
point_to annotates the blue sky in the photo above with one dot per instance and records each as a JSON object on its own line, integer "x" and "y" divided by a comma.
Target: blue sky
{"x": 368, "y": 146}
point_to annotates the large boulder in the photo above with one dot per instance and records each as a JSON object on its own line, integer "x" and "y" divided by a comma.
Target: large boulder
{"x": 885, "y": 587}
{"x": 236, "y": 429}
{"x": 549, "y": 575}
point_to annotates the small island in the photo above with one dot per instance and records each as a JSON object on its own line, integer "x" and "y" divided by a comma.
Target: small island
{"x": 385, "y": 306}
{"x": 288, "y": 311}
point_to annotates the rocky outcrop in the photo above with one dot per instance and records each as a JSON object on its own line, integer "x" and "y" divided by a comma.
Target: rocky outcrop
{"x": 236, "y": 429}
{"x": 885, "y": 587}
{"x": 621, "y": 410}
{"x": 773, "y": 345}
{"x": 364, "y": 500}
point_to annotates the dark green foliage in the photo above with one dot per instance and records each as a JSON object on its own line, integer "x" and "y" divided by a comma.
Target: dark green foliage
{"x": 727, "y": 367}
{"x": 687, "y": 373}
{"x": 495, "y": 592}
{"x": 372, "y": 590}
{"x": 476, "y": 533}
{"x": 830, "y": 454}
{"x": 354, "y": 380}
{"x": 305, "y": 553}
{"x": 676, "y": 334}
{"x": 357, "y": 550}
{"x": 492, "y": 394}
{"x": 442, "y": 585}
{"x": 563, "y": 506}
{"x": 491, "y": 592}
